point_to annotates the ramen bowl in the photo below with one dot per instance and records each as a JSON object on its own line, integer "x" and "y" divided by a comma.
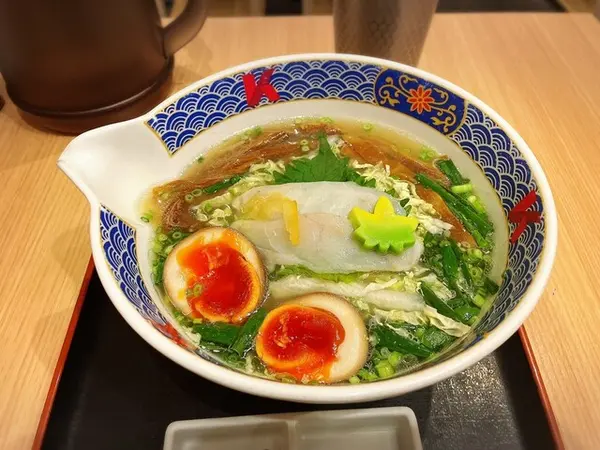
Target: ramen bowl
{"x": 114, "y": 167}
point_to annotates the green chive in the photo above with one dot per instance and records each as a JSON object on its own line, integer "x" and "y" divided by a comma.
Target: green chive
{"x": 462, "y": 188}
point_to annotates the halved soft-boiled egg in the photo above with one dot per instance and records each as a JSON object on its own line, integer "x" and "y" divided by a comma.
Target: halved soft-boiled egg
{"x": 316, "y": 337}
{"x": 215, "y": 274}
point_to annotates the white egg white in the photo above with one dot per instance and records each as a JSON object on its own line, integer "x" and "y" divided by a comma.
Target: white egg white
{"x": 173, "y": 277}
{"x": 353, "y": 351}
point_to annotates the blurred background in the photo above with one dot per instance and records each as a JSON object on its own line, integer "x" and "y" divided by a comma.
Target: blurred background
{"x": 291, "y": 7}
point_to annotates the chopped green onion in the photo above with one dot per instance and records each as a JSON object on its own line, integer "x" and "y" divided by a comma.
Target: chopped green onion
{"x": 462, "y": 188}
{"x": 303, "y": 142}
{"x": 384, "y": 369}
{"x": 385, "y": 352}
{"x": 157, "y": 248}
{"x": 326, "y": 120}
{"x": 354, "y": 380}
{"x": 177, "y": 235}
{"x": 189, "y": 198}
{"x": 197, "y": 192}
{"x": 305, "y": 148}
{"x": 479, "y": 300}
{"x": 198, "y": 288}
{"x": 199, "y": 159}
{"x": 367, "y": 126}
{"x": 146, "y": 217}
{"x": 366, "y": 375}
{"x": 424, "y": 155}
{"x": 475, "y": 253}
{"x": 168, "y": 249}
{"x": 254, "y": 131}
{"x": 394, "y": 358}
{"x": 162, "y": 237}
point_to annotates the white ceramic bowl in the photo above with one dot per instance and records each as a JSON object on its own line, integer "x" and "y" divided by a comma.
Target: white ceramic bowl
{"x": 114, "y": 165}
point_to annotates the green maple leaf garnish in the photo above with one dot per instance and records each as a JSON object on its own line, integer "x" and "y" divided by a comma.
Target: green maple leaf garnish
{"x": 383, "y": 230}
{"x": 325, "y": 166}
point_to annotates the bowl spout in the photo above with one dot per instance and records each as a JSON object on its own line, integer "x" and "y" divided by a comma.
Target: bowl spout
{"x": 115, "y": 165}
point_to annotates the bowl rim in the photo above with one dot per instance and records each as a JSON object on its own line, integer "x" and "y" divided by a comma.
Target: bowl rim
{"x": 336, "y": 393}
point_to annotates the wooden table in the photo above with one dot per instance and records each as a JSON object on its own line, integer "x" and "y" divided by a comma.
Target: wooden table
{"x": 540, "y": 71}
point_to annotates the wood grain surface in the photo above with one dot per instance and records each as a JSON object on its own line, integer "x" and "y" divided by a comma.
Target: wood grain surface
{"x": 540, "y": 71}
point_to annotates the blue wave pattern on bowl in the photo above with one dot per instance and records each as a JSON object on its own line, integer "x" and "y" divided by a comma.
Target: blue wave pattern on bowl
{"x": 489, "y": 146}
{"x": 477, "y": 134}
{"x": 198, "y": 110}
{"x": 118, "y": 243}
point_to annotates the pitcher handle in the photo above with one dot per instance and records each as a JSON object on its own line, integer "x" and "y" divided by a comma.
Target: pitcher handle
{"x": 185, "y": 27}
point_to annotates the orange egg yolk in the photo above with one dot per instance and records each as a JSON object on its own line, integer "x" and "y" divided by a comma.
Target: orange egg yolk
{"x": 222, "y": 286}
{"x": 300, "y": 341}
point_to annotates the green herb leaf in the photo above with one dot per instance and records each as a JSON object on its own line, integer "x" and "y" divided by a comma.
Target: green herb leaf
{"x": 326, "y": 166}
{"x": 386, "y": 337}
{"x": 245, "y": 338}
{"x": 217, "y": 333}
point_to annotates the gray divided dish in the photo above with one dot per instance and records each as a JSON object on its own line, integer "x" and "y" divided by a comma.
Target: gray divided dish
{"x": 359, "y": 429}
